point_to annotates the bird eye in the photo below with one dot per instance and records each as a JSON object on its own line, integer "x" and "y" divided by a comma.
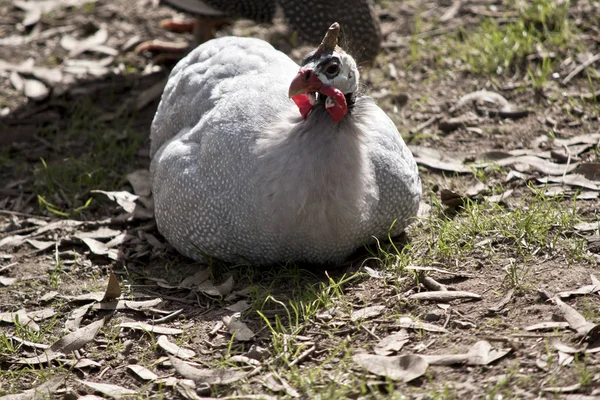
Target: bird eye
{"x": 332, "y": 69}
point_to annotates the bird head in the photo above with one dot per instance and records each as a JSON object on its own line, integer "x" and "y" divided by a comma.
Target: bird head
{"x": 327, "y": 71}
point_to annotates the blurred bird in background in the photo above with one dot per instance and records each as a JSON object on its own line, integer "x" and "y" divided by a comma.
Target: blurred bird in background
{"x": 308, "y": 19}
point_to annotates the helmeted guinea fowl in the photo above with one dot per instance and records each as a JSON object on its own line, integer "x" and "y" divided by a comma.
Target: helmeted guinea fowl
{"x": 307, "y": 18}
{"x": 241, "y": 173}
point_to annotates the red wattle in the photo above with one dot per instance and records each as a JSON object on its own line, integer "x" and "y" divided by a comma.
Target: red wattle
{"x": 340, "y": 108}
{"x": 303, "y": 103}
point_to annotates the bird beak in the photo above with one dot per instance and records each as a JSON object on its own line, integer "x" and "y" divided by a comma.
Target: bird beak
{"x": 305, "y": 81}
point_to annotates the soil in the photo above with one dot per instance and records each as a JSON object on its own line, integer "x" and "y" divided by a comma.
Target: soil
{"x": 409, "y": 94}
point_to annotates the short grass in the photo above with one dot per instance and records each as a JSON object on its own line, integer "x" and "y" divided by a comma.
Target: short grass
{"x": 95, "y": 156}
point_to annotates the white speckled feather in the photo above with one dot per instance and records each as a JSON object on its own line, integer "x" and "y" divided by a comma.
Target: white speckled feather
{"x": 238, "y": 175}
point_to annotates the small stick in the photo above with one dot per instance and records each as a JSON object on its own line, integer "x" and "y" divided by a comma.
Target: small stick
{"x": 581, "y": 68}
{"x": 302, "y": 356}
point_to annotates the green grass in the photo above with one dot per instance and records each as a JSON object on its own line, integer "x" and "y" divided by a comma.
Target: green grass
{"x": 95, "y": 155}
{"x": 496, "y": 48}
{"x": 530, "y": 227}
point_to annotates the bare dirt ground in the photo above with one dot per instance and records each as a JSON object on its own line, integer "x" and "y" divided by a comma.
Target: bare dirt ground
{"x": 494, "y": 294}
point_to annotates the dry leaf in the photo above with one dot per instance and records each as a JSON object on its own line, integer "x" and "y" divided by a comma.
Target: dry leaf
{"x": 399, "y": 368}
{"x": 161, "y": 330}
{"x": 76, "y": 340}
{"x": 367, "y": 312}
{"x": 437, "y": 160}
{"x": 244, "y": 360}
{"x": 113, "y": 289}
{"x": 42, "y": 314}
{"x": 142, "y": 372}
{"x": 208, "y": 288}
{"x": 40, "y": 244}
{"x": 74, "y": 320}
{"x": 482, "y": 353}
{"x": 547, "y": 326}
{"x": 19, "y": 317}
{"x": 392, "y": 343}
{"x": 173, "y": 349}
{"x": 587, "y": 226}
{"x": 409, "y": 323}
{"x": 576, "y": 321}
{"x": 210, "y": 376}
{"x": 444, "y": 296}
{"x": 80, "y": 363}
{"x": 195, "y": 280}
{"x": 44, "y": 391}
{"x": 562, "y": 389}
{"x": 445, "y": 359}
{"x": 239, "y": 307}
{"x": 96, "y": 246}
{"x": 29, "y": 344}
{"x": 65, "y": 345}
{"x": 63, "y": 224}
{"x": 572, "y": 180}
{"x": 587, "y": 289}
{"x": 100, "y": 233}
{"x": 558, "y": 345}
{"x": 503, "y": 302}
{"x": 590, "y": 138}
{"x": 276, "y": 383}
{"x": 35, "y": 90}
{"x": 12, "y": 241}
{"x": 123, "y": 198}
{"x": 6, "y": 281}
{"x": 108, "y": 389}
{"x": 238, "y": 329}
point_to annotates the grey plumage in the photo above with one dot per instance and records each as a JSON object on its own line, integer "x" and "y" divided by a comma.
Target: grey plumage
{"x": 239, "y": 175}
{"x": 308, "y": 18}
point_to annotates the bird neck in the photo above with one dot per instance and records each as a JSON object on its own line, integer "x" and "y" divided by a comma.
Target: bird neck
{"x": 315, "y": 173}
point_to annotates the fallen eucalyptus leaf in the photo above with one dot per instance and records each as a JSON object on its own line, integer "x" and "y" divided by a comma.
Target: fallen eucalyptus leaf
{"x": 108, "y": 389}
{"x": 122, "y": 198}
{"x": 444, "y": 296}
{"x": 575, "y": 320}
{"x": 44, "y": 391}
{"x": 113, "y": 288}
{"x": 210, "y": 376}
{"x": 547, "y": 326}
{"x": 238, "y": 329}
{"x": 195, "y": 280}
{"x": 367, "y": 312}
{"x": 142, "y": 372}
{"x": 392, "y": 343}
{"x": 173, "y": 349}
{"x": 482, "y": 353}
{"x": 398, "y": 368}
{"x": 141, "y": 326}
{"x": 409, "y": 323}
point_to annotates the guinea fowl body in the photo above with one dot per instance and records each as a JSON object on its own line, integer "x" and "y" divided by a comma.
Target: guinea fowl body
{"x": 239, "y": 175}
{"x": 307, "y": 18}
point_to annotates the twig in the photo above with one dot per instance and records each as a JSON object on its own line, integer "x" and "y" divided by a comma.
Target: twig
{"x": 581, "y": 68}
{"x": 17, "y": 231}
{"x": 432, "y": 284}
{"x": 370, "y": 333}
{"x": 2, "y": 269}
{"x": 302, "y": 356}
{"x": 451, "y": 11}
{"x": 20, "y": 214}
{"x": 427, "y": 123}
{"x": 169, "y": 317}
{"x": 568, "y": 162}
